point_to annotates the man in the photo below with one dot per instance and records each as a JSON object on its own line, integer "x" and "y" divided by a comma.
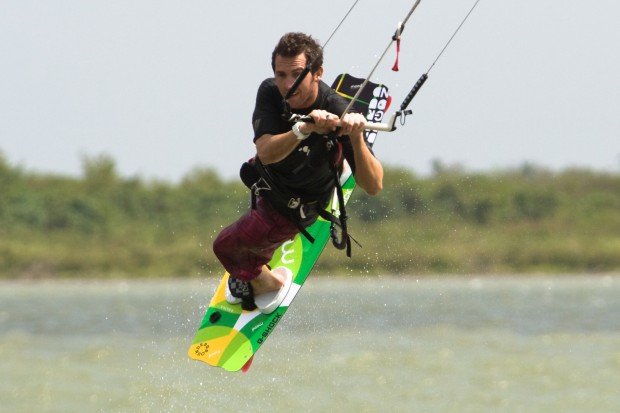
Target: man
{"x": 293, "y": 171}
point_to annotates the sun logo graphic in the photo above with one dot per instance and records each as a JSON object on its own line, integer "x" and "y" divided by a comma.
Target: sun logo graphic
{"x": 202, "y": 349}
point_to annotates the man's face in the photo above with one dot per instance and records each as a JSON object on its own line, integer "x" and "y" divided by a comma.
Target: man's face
{"x": 286, "y": 71}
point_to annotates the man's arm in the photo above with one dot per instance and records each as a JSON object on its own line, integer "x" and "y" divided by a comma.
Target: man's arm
{"x": 274, "y": 148}
{"x": 368, "y": 169}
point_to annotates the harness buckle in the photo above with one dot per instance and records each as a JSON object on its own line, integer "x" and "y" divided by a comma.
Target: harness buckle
{"x": 294, "y": 203}
{"x": 256, "y": 188}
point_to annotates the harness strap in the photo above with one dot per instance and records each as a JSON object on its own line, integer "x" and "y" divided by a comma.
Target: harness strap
{"x": 293, "y": 206}
{"x": 345, "y": 240}
{"x": 256, "y": 188}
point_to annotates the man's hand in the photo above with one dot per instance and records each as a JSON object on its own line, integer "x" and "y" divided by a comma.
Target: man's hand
{"x": 352, "y": 124}
{"x": 324, "y": 122}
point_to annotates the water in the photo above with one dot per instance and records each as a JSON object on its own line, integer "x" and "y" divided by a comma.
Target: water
{"x": 490, "y": 344}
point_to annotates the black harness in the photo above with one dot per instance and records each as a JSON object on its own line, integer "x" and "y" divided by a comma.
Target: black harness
{"x": 300, "y": 208}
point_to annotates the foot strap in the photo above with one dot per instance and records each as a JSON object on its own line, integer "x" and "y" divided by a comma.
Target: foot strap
{"x": 244, "y": 291}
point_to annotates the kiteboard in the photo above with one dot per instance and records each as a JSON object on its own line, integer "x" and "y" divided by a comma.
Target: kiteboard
{"x": 228, "y": 336}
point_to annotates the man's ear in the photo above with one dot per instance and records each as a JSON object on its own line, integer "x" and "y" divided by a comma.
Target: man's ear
{"x": 318, "y": 75}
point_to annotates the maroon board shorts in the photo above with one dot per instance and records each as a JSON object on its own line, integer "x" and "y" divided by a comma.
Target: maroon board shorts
{"x": 249, "y": 243}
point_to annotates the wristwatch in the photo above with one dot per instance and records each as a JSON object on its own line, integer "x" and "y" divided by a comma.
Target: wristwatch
{"x": 300, "y": 135}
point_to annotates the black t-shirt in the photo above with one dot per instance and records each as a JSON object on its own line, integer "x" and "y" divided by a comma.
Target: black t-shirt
{"x": 307, "y": 167}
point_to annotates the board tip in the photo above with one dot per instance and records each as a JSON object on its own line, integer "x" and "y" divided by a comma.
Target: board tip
{"x": 247, "y": 365}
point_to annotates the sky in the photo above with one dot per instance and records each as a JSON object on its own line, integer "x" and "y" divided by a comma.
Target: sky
{"x": 164, "y": 87}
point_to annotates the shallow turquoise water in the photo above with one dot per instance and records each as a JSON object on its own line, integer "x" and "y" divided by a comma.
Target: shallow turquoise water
{"x": 509, "y": 344}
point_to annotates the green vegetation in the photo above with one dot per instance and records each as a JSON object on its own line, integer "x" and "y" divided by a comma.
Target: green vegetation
{"x": 518, "y": 221}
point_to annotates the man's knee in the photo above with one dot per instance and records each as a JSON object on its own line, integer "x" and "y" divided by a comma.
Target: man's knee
{"x": 220, "y": 245}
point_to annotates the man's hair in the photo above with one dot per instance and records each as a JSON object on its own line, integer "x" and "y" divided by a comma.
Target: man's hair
{"x": 292, "y": 44}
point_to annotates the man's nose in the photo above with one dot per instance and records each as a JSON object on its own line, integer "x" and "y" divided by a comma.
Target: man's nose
{"x": 289, "y": 82}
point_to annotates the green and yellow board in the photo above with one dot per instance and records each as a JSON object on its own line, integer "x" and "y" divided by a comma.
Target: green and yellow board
{"x": 228, "y": 336}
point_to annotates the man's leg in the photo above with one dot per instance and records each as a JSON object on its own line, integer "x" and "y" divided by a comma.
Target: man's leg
{"x": 245, "y": 247}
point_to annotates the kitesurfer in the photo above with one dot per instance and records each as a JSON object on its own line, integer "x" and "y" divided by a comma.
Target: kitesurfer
{"x": 294, "y": 172}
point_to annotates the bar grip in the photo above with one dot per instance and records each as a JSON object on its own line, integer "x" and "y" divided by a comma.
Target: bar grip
{"x": 413, "y": 91}
{"x": 385, "y": 127}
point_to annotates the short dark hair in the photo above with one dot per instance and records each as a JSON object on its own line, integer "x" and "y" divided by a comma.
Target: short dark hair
{"x": 294, "y": 43}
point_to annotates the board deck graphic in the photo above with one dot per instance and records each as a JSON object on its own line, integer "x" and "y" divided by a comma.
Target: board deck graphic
{"x": 228, "y": 336}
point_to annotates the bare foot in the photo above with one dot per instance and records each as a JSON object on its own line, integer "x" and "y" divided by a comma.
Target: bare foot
{"x": 267, "y": 281}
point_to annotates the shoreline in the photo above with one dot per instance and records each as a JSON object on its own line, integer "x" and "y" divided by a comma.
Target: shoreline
{"x": 322, "y": 277}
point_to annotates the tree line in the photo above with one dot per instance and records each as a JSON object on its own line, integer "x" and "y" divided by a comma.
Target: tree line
{"x": 523, "y": 220}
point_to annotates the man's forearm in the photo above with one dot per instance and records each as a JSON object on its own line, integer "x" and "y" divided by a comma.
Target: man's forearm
{"x": 368, "y": 169}
{"x": 274, "y": 148}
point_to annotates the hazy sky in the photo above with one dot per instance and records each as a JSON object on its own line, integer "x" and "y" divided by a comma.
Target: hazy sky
{"x": 166, "y": 86}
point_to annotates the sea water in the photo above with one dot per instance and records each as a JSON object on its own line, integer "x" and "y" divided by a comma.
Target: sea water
{"x": 348, "y": 344}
